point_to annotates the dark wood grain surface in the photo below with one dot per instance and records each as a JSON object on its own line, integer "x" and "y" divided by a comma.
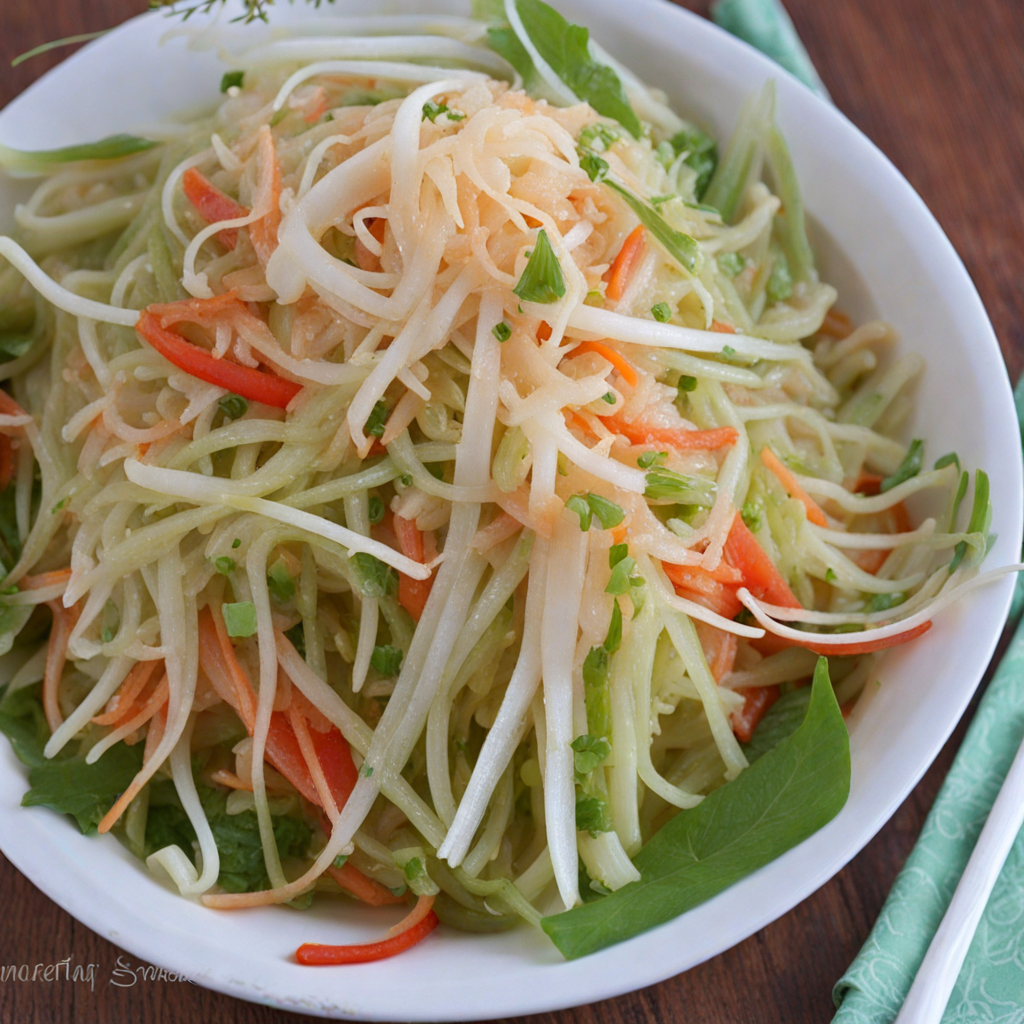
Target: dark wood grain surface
{"x": 939, "y": 86}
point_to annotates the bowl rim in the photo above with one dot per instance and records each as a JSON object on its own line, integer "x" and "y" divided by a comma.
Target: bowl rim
{"x": 537, "y": 986}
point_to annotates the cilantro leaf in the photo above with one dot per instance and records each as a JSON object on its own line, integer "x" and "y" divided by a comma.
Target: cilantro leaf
{"x": 542, "y": 280}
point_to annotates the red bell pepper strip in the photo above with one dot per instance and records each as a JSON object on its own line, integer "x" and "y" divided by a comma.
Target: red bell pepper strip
{"x": 254, "y": 385}
{"x": 315, "y": 955}
{"x": 212, "y": 204}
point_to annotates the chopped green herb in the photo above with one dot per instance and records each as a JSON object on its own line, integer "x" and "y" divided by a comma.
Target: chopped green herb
{"x": 667, "y": 485}
{"x": 596, "y": 167}
{"x": 751, "y": 515}
{"x": 377, "y": 418}
{"x": 589, "y": 752}
{"x": 592, "y": 815}
{"x": 731, "y": 263}
{"x": 542, "y": 280}
{"x": 598, "y": 132}
{"x": 648, "y": 459}
{"x": 908, "y": 468}
{"x": 578, "y": 503}
{"x": 239, "y": 618}
{"x": 614, "y": 636}
{"x": 372, "y": 576}
{"x": 297, "y": 636}
{"x": 376, "y": 509}
{"x": 60, "y": 504}
{"x": 406, "y": 480}
{"x": 622, "y": 578}
{"x": 234, "y": 407}
{"x": 662, "y": 312}
{"x": 231, "y": 80}
{"x": 224, "y": 564}
{"x": 10, "y": 591}
{"x": 608, "y": 397}
{"x": 502, "y": 331}
{"x": 365, "y": 770}
{"x": 701, "y": 155}
{"x": 952, "y": 459}
{"x": 686, "y": 383}
{"x": 780, "y": 282}
{"x": 830, "y": 576}
{"x": 280, "y": 582}
{"x": 339, "y": 861}
{"x": 728, "y": 351}
{"x": 237, "y": 542}
{"x": 883, "y": 602}
{"x": 110, "y": 622}
{"x": 387, "y": 660}
{"x": 432, "y": 110}
{"x": 616, "y": 553}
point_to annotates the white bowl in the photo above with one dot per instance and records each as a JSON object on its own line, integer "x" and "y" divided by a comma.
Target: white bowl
{"x": 888, "y": 256}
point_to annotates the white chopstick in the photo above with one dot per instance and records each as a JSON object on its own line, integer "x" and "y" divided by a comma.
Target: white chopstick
{"x": 926, "y": 1001}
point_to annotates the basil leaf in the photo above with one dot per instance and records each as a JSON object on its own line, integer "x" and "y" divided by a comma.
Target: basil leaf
{"x": 23, "y": 722}
{"x": 701, "y": 155}
{"x": 542, "y": 280}
{"x": 504, "y": 42}
{"x": 113, "y": 147}
{"x": 782, "y": 719}
{"x": 566, "y": 49}
{"x": 908, "y": 468}
{"x": 682, "y": 248}
{"x": 780, "y": 800}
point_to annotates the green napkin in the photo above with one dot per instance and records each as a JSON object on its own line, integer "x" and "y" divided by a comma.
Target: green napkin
{"x": 766, "y": 25}
{"x": 991, "y": 984}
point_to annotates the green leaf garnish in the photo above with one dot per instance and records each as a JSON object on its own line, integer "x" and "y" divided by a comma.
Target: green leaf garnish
{"x": 786, "y": 795}
{"x": 595, "y": 166}
{"x": 667, "y": 485}
{"x": 686, "y": 383}
{"x": 502, "y": 331}
{"x": 701, "y": 155}
{"x": 376, "y": 510}
{"x": 280, "y": 582}
{"x": 589, "y": 752}
{"x": 589, "y": 504}
{"x": 662, "y": 312}
{"x": 566, "y": 49}
{"x": 649, "y": 459}
{"x": 231, "y": 80}
{"x": 731, "y": 263}
{"x": 542, "y": 280}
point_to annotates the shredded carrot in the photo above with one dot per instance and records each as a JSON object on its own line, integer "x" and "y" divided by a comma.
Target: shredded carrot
{"x": 720, "y": 649}
{"x": 544, "y": 331}
{"x": 56, "y": 655}
{"x": 222, "y": 777}
{"x": 366, "y": 259}
{"x": 626, "y": 369}
{"x": 423, "y": 922}
{"x": 622, "y": 267}
{"x": 867, "y": 483}
{"x": 758, "y": 700}
{"x": 836, "y": 325}
{"x": 792, "y": 486}
{"x": 44, "y": 579}
{"x": 760, "y": 574}
{"x": 121, "y": 706}
{"x": 315, "y": 768}
{"x": 696, "y": 584}
{"x": 263, "y": 232}
{"x": 412, "y": 594}
{"x": 867, "y": 646}
{"x": 720, "y": 327}
{"x": 366, "y": 889}
{"x": 683, "y": 440}
{"x": 156, "y": 700}
{"x": 212, "y": 204}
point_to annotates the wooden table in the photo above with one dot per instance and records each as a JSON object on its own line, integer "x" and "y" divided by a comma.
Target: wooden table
{"x": 939, "y": 85}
